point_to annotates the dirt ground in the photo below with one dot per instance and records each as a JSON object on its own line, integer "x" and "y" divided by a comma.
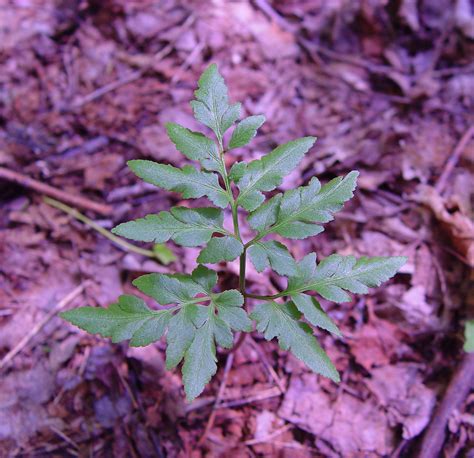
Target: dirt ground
{"x": 388, "y": 89}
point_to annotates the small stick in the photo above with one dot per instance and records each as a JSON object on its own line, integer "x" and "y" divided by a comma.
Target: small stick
{"x": 98, "y": 93}
{"x": 269, "y": 11}
{"x": 260, "y": 396}
{"x": 42, "y": 188}
{"x": 138, "y": 405}
{"x": 269, "y": 437}
{"x": 37, "y": 328}
{"x": 459, "y": 387}
{"x": 220, "y": 394}
{"x": 233, "y": 402}
{"x": 453, "y": 160}
{"x": 267, "y": 364}
{"x": 187, "y": 62}
{"x": 274, "y": 16}
{"x": 133, "y": 76}
{"x": 65, "y": 437}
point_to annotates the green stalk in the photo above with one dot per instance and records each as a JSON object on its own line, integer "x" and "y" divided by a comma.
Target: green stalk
{"x": 243, "y": 256}
{"x": 243, "y": 265}
{"x": 92, "y": 224}
{"x": 235, "y": 220}
{"x": 264, "y": 298}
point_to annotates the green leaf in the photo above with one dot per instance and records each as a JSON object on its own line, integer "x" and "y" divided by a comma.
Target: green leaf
{"x": 195, "y": 146}
{"x": 336, "y": 274}
{"x": 469, "y": 335}
{"x": 237, "y": 171}
{"x": 313, "y": 312}
{"x": 152, "y": 330}
{"x": 152, "y": 228}
{"x": 221, "y": 249}
{"x": 266, "y": 174}
{"x": 245, "y": 131}
{"x": 164, "y": 254}
{"x": 181, "y": 333}
{"x": 196, "y": 335}
{"x": 191, "y": 183}
{"x": 211, "y": 106}
{"x": 274, "y": 254}
{"x": 185, "y": 226}
{"x": 229, "y": 307}
{"x": 199, "y": 225}
{"x": 207, "y": 278}
{"x": 200, "y": 361}
{"x": 168, "y": 289}
{"x": 265, "y": 215}
{"x": 294, "y": 213}
{"x": 281, "y": 321}
{"x": 129, "y": 318}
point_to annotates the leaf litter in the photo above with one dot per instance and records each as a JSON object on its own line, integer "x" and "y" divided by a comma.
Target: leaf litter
{"x": 393, "y": 107}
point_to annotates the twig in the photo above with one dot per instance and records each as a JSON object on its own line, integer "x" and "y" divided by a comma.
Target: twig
{"x": 252, "y": 397}
{"x": 88, "y": 222}
{"x": 312, "y": 48}
{"x": 133, "y": 76}
{"x": 449, "y": 71}
{"x": 453, "y": 160}
{"x": 267, "y": 365}
{"x": 65, "y": 437}
{"x": 261, "y": 396}
{"x": 88, "y": 147}
{"x": 274, "y": 16}
{"x": 269, "y": 11}
{"x": 269, "y": 437}
{"x": 134, "y": 394}
{"x": 77, "y": 201}
{"x": 98, "y": 93}
{"x": 220, "y": 393}
{"x": 188, "y": 62}
{"x": 459, "y": 387}
{"x": 37, "y": 328}
{"x": 240, "y": 340}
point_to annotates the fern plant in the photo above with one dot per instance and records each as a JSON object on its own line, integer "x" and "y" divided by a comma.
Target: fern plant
{"x": 198, "y": 318}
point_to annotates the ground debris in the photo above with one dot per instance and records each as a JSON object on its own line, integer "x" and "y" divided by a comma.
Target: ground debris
{"x": 387, "y": 87}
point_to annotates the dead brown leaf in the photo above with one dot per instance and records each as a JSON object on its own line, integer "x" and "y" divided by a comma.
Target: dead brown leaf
{"x": 459, "y": 227}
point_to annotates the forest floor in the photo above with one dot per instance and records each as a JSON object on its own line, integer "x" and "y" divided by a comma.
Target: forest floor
{"x": 386, "y": 86}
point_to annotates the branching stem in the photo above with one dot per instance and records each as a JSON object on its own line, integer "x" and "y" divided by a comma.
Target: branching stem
{"x": 243, "y": 256}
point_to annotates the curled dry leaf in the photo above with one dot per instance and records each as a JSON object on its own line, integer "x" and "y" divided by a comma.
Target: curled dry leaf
{"x": 458, "y": 226}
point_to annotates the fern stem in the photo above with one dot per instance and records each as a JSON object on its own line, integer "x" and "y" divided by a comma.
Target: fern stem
{"x": 235, "y": 219}
{"x": 92, "y": 224}
{"x": 243, "y": 263}
{"x": 263, "y": 298}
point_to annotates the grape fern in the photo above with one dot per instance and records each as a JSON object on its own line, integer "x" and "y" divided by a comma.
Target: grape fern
{"x": 198, "y": 317}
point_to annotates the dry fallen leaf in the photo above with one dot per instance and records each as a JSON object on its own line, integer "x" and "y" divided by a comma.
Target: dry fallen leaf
{"x": 458, "y": 226}
{"x": 352, "y": 426}
{"x": 400, "y": 389}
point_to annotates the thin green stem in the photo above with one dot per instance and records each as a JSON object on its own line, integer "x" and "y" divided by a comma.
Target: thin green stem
{"x": 235, "y": 220}
{"x": 243, "y": 265}
{"x": 258, "y": 237}
{"x": 224, "y": 174}
{"x": 197, "y": 300}
{"x": 264, "y": 298}
{"x": 88, "y": 222}
{"x": 243, "y": 256}
{"x": 254, "y": 240}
